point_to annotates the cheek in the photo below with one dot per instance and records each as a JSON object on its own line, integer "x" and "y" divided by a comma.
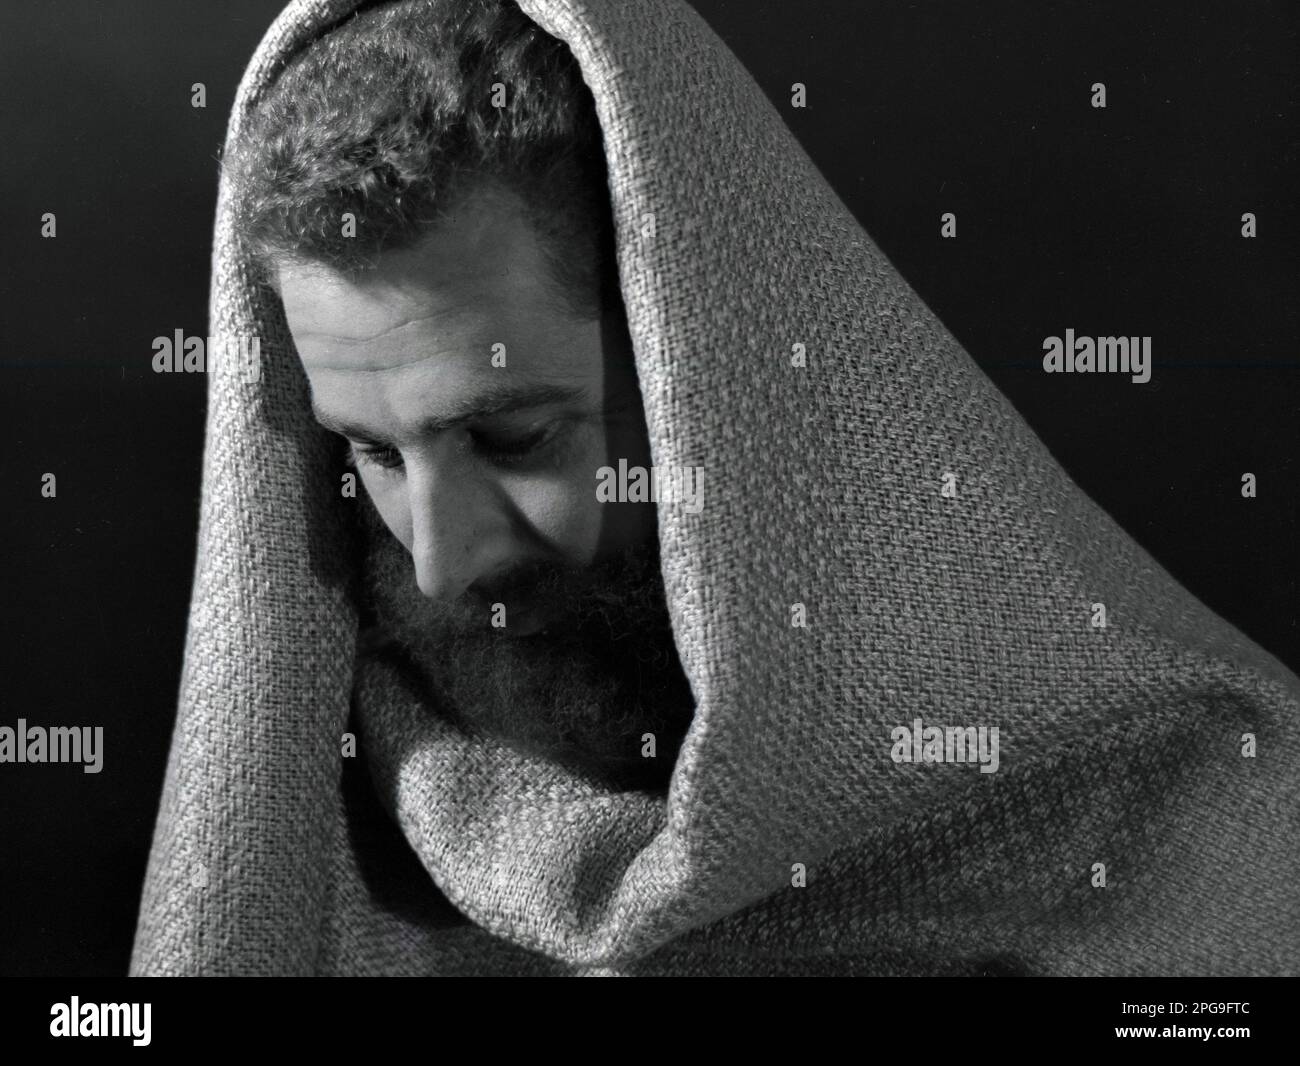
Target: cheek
{"x": 558, "y": 505}
{"x": 388, "y": 495}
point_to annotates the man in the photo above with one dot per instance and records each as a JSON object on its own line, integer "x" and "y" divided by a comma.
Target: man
{"x": 443, "y": 248}
{"x": 846, "y": 705}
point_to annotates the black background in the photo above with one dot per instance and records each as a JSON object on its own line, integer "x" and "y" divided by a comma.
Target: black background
{"x": 1119, "y": 221}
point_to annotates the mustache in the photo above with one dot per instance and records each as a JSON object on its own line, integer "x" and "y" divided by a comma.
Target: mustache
{"x": 551, "y": 585}
{"x": 610, "y": 601}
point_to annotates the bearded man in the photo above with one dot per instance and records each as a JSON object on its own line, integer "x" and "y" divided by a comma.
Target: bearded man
{"x": 482, "y": 718}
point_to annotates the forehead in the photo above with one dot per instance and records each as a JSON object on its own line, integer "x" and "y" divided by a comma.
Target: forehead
{"x": 478, "y": 279}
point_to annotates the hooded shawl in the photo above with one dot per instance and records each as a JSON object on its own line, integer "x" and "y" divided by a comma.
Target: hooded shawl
{"x": 790, "y": 841}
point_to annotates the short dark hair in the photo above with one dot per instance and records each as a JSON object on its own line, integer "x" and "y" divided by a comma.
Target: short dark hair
{"x": 394, "y": 115}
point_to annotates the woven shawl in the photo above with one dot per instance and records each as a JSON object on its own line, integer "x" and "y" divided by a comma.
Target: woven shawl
{"x": 790, "y": 841}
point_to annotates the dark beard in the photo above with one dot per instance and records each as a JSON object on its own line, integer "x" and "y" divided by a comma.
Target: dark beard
{"x": 583, "y": 692}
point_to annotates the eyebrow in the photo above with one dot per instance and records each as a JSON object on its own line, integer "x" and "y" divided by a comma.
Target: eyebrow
{"x": 495, "y": 400}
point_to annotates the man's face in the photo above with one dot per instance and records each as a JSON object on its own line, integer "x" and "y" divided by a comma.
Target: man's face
{"x": 533, "y": 610}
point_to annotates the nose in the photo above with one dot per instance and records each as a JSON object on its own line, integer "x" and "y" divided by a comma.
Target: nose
{"x": 455, "y": 538}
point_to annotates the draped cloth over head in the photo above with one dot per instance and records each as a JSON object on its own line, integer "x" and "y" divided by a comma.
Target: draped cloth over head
{"x": 432, "y": 853}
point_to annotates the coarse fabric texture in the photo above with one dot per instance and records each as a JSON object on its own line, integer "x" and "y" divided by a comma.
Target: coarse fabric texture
{"x": 430, "y": 853}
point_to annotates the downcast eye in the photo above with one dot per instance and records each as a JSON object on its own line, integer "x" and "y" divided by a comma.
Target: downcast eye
{"x": 506, "y": 448}
{"x": 383, "y": 457}
{"x": 510, "y": 445}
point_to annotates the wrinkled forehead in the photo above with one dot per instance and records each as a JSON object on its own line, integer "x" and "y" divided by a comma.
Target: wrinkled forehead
{"x": 479, "y": 278}
{"x": 482, "y": 246}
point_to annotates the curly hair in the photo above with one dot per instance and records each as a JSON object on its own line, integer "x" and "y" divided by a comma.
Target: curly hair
{"x": 396, "y": 113}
